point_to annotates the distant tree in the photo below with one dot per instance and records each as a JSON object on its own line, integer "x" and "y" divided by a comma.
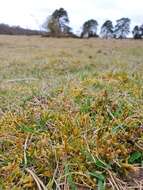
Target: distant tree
{"x": 58, "y": 22}
{"x": 141, "y": 29}
{"x": 122, "y": 28}
{"x": 138, "y": 32}
{"x": 107, "y": 30}
{"x": 89, "y": 29}
{"x": 17, "y": 30}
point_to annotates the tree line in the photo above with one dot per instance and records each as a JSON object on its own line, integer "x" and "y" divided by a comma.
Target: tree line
{"x": 58, "y": 24}
{"x": 17, "y": 30}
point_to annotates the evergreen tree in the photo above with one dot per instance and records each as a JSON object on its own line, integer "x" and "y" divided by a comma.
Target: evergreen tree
{"x": 122, "y": 28}
{"x": 58, "y": 22}
{"x": 107, "y": 30}
{"x": 138, "y": 32}
{"x": 89, "y": 29}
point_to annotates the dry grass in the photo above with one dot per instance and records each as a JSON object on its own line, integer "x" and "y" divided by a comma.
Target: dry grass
{"x": 71, "y": 114}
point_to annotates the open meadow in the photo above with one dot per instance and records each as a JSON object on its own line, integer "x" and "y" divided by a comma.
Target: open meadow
{"x": 71, "y": 114}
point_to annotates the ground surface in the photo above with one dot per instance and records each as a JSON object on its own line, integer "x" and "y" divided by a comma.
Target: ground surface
{"x": 71, "y": 113}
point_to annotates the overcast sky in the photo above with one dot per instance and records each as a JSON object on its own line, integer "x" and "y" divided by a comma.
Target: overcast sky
{"x": 32, "y": 13}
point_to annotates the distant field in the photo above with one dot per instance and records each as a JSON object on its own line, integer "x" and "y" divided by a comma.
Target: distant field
{"x": 71, "y": 113}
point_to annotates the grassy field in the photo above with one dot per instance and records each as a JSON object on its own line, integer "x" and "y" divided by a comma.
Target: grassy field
{"x": 71, "y": 114}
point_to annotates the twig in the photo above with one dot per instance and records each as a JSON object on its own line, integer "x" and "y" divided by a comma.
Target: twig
{"x": 111, "y": 184}
{"x": 55, "y": 172}
{"x": 34, "y": 177}
{"x": 20, "y": 79}
{"x": 25, "y": 148}
{"x": 110, "y": 113}
{"x": 112, "y": 178}
{"x": 37, "y": 180}
{"x": 140, "y": 147}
